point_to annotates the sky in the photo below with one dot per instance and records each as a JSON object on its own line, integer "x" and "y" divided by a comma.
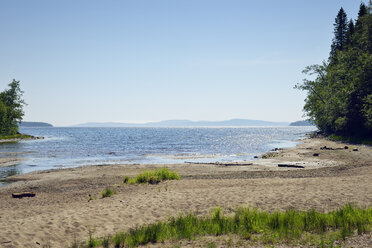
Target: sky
{"x": 138, "y": 61}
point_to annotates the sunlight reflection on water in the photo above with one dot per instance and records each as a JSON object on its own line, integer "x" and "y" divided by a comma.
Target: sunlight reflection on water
{"x": 72, "y": 147}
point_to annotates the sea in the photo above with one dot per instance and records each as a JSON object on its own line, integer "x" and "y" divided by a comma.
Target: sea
{"x": 67, "y": 147}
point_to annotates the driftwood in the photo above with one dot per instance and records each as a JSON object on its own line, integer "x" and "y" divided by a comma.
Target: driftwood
{"x": 187, "y": 162}
{"x": 23, "y": 194}
{"x": 330, "y": 148}
{"x": 219, "y": 163}
{"x": 236, "y": 164}
{"x": 290, "y": 166}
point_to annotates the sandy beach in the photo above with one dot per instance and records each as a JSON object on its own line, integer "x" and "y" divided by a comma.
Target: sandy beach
{"x": 61, "y": 212}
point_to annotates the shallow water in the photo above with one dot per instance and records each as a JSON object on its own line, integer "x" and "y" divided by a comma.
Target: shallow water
{"x": 72, "y": 147}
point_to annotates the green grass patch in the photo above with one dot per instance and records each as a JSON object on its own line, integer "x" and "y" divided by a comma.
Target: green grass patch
{"x": 152, "y": 176}
{"x": 108, "y": 192}
{"x": 351, "y": 140}
{"x": 291, "y": 226}
{"x": 270, "y": 155}
{"x": 16, "y": 136}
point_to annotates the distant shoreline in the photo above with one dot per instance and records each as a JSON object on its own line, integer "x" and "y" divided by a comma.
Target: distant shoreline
{"x": 27, "y": 124}
{"x": 188, "y": 123}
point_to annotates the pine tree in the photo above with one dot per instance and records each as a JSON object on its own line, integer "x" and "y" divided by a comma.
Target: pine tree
{"x": 349, "y": 33}
{"x": 340, "y": 28}
{"x": 362, "y": 12}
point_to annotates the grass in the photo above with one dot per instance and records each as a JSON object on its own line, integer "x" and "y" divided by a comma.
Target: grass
{"x": 108, "y": 192}
{"x": 351, "y": 140}
{"x": 301, "y": 227}
{"x": 152, "y": 176}
{"x": 15, "y": 136}
{"x": 270, "y": 155}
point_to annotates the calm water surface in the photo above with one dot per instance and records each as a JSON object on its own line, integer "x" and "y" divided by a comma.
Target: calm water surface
{"x": 72, "y": 147}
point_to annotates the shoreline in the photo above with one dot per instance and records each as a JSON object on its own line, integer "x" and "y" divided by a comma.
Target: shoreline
{"x": 24, "y": 137}
{"x": 12, "y": 158}
{"x": 61, "y": 212}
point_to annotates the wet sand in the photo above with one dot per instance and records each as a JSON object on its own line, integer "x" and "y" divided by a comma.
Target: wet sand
{"x": 61, "y": 212}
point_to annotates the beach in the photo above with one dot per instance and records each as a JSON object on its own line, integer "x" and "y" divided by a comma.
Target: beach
{"x": 317, "y": 173}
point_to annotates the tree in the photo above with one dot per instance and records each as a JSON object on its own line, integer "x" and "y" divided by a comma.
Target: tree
{"x": 362, "y": 10}
{"x": 339, "y": 99}
{"x": 340, "y": 28}
{"x": 3, "y": 118}
{"x": 349, "y": 33}
{"x": 12, "y": 114}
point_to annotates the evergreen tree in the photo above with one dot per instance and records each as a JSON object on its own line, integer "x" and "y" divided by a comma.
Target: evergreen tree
{"x": 339, "y": 99}
{"x": 362, "y": 12}
{"x": 340, "y": 28}
{"x": 349, "y": 33}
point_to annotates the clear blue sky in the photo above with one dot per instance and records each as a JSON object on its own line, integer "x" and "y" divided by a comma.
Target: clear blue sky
{"x": 137, "y": 61}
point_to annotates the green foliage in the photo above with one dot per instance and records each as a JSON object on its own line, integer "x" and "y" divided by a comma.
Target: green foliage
{"x": 153, "y": 176}
{"x": 211, "y": 245}
{"x": 353, "y": 140}
{"x": 11, "y": 109}
{"x": 16, "y": 136}
{"x": 340, "y": 31}
{"x": 108, "y": 192}
{"x": 3, "y": 117}
{"x": 126, "y": 179}
{"x": 339, "y": 95}
{"x": 92, "y": 242}
{"x": 319, "y": 229}
{"x": 106, "y": 242}
{"x": 349, "y": 33}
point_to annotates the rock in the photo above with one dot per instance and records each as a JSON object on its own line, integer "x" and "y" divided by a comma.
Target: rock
{"x": 23, "y": 194}
{"x": 355, "y": 149}
{"x": 346, "y": 147}
{"x": 277, "y": 149}
{"x": 316, "y": 154}
{"x": 255, "y": 157}
{"x": 325, "y": 148}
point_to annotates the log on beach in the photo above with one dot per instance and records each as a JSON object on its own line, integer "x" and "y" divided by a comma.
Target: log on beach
{"x": 23, "y": 194}
{"x": 290, "y": 166}
{"x": 219, "y": 163}
{"x": 237, "y": 164}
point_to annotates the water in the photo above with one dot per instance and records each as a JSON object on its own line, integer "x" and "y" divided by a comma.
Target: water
{"x": 72, "y": 147}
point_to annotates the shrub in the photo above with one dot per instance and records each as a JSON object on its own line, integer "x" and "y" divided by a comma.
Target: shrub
{"x": 108, "y": 192}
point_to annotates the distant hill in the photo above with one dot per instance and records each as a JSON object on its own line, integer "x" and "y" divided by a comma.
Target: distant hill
{"x": 187, "y": 123}
{"x": 302, "y": 123}
{"x": 34, "y": 124}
